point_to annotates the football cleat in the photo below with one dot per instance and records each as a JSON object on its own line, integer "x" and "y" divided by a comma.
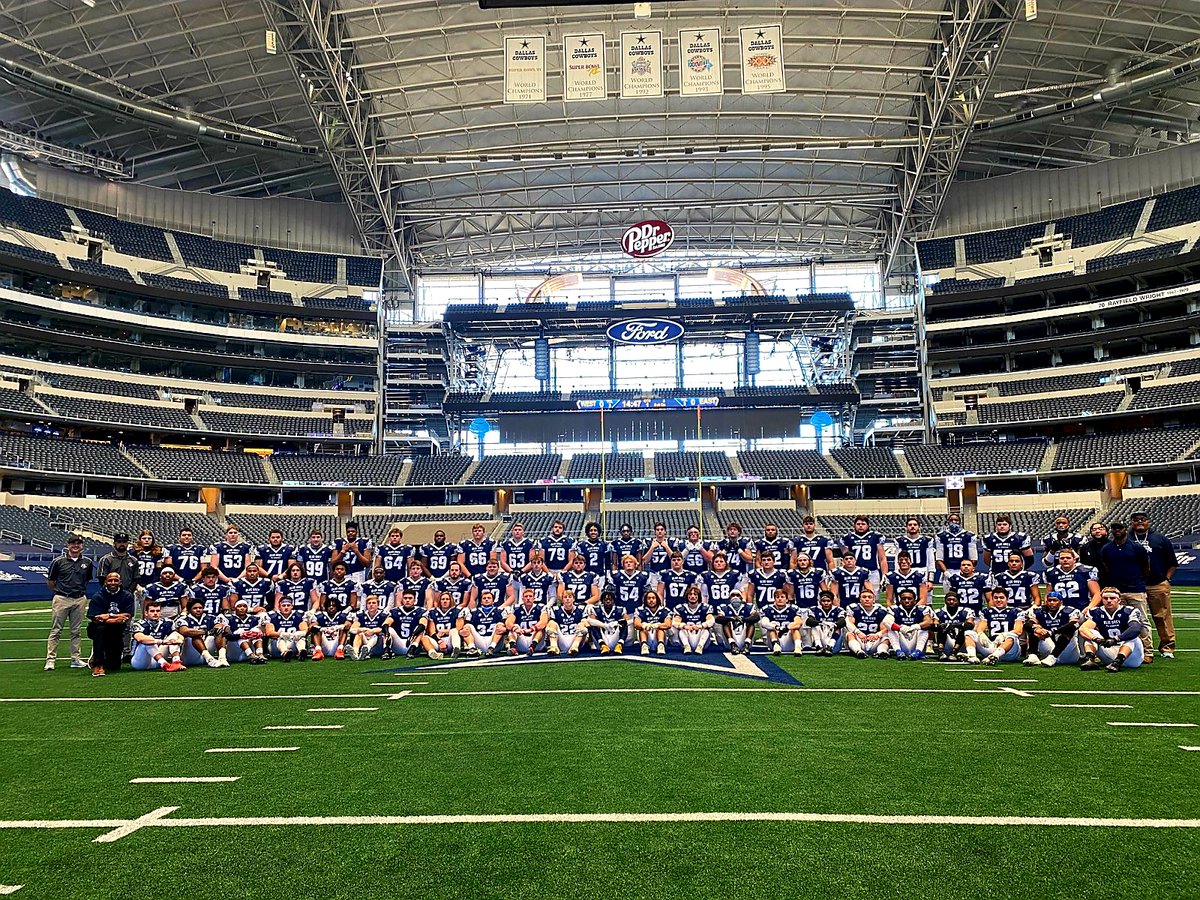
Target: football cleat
{"x": 435, "y": 654}
{"x": 900, "y": 654}
{"x": 1049, "y": 662}
{"x": 512, "y": 649}
{"x": 339, "y": 653}
{"x": 318, "y": 654}
{"x": 645, "y": 649}
{"x": 213, "y": 663}
{"x": 411, "y": 654}
{"x": 389, "y": 653}
{"x": 917, "y": 654}
{"x": 1113, "y": 667}
{"x": 552, "y": 649}
{"x": 861, "y": 654}
{"x": 662, "y": 649}
{"x": 604, "y": 650}
{"x": 574, "y": 651}
{"x": 491, "y": 651}
{"x": 943, "y": 657}
{"x": 776, "y": 649}
{"x": 1090, "y": 665}
{"x": 686, "y": 649}
{"x": 620, "y": 648}
{"x": 990, "y": 660}
{"x": 1032, "y": 660}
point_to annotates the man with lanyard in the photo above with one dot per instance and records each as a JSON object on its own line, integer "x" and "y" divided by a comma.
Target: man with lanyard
{"x": 818, "y": 547}
{"x": 919, "y": 547}
{"x": 515, "y": 551}
{"x": 394, "y": 555}
{"x": 186, "y": 557}
{"x": 274, "y": 555}
{"x": 68, "y": 579}
{"x": 315, "y": 557}
{"x": 1126, "y": 565}
{"x": 1061, "y": 538}
{"x": 867, "y": 545}
{"x": 1158, "y": 582}
{"x": 1003, "y": 541}
{"x": 356, "y": 552}
{"x": 954, "y": 545}
{"x": 230, "y": 556}
{"x": 121, "y": 562}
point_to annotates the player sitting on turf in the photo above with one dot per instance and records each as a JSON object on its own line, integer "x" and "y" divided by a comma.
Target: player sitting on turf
{"x": 1111, "y": 635}
{"x": 1051, "y": 629}
{"x": 369, "y": 627}
{"x": 204, "y": 634}
{"x": 156, "y": 643}
{"x": 652, "y": 624}
{"x": 565, "y": 629}
{"x": 781, "y": 624}
{"x": 442, "y": 624}
{"x": 910, "y": 626}
{"x": 606, "y": 621}
{"x": 737, "y": 619}
{"x": 951, "y": 624}
{"x": 973, "y": 588}
{"x": 332, "y": 624}
{"x": 526, "y": 623}
{"x": 693, "y": 622}
{"x": 867, "y": 626}
{"x": 997, "y": 631}
{"x": 826, "y": 625}
{"x": 287, "y": 631}
{"x": 245, "y": 632}
{"x": 405, "y": 627}
{"x": 483, "y": 628}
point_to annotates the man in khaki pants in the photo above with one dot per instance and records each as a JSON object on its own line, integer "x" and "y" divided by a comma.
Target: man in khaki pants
{"x": 1158, "y": 582}
{"x": 68, "y": 579}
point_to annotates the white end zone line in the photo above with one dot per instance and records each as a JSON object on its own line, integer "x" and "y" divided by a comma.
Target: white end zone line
{"x": 211, "y": 779}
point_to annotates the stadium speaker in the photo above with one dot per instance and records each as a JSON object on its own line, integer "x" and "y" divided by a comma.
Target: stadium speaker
{"x": 541, "y": 360}
{"x": 752, "y": 351}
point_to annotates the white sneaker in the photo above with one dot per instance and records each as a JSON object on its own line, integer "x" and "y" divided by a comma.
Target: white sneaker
{"x": 686, "y": 649}
{"x": 645, "y": 649}
{"x": 49, "y": 667}
{"x": 223, "y": 662}
{"x": 213, "y": 663}
{"x": 435, "y": 654}
{"x": 1167, "y": 654}
{"x": 662, "y": 649}
{"x": 1032, "y": 660}
{"x": 78, "y": 664}
{"x": 1049, "y": 662}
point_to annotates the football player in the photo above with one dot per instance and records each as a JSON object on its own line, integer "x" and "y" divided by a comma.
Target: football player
{"x": 807, "y": 581}
{"x": 156, "y": 643}
{"x": 625, "y": 545}
{"x": 378, "y": 586}
{"x": 1020, "y": 582}
{"x": 579, "y": 583}
{"x": 315, "y": 557}
{"x": 214, "y": 594}
{"x": 953, "y": 621}
{"x": 356, "y": 553}
{"x": 652, "y": 624}
{"x": 738, "y": 555}
{"x": 453, "y": 583}
{"x": 332, "y": 623}
{"x": 781, "y": 624}
{"x": 1062, "y": 537}
{"x": 526, "y": 623}
{"x": 1003, "y": 541}
{"x": 954, "y": 544}
{"x": 594, "y": 550}
{"x": 515, "y": 551}
{"x": 850, "y": 579}
{"x": 921, "y": 548}
{"x": 476, "y": 552}
{"x": 545, "y": 584}
{"x": 394, "y": 555}
{"x": 340, "y": 589}
{"x": 442, "y": 627}
{"x": 368, "y": 628}
{"x": 657, "y": 556}
{"x": 483, "y": 629}
{"x": 203, "y": 635}
{"x": 826, "y": 624}
{"x": 1111, "y": 635}
{"x": 630, "y": 584}
{"x": 868, "y": 547}
{"x": 148, "y": 559}
{"x": 905, "y": 578}
{"x": 556, "y": 547}
{"x": 1078, "y": 584}
{"x": 973, "y": 588}
{"x": 737, "y": 619}
{"x": 492, "y": 581}
{"x": 674, "y": 582}
{"x": 406, "y": 623}
{"x": 438, "y": 555}
{"x": 287, "y": 630}
{"x": 565, "y": 629}
{"x": 607, "y": 622}
{"x": 1050, "y": 629}
{"x": 818, "y": 547}
{"x": 274, "y": 555}
{"x": 257, "y": 591}
{"x": 245, "y": 632}
{"x": 719, "y": 584}
{"x": 778, "y": 547}
{"x": 911, "y": 621}
{"x": 867, "y": 626}
{"x": 767, "y": 580}
{"x": 696, "y": 553}
{"x": 187, "y": 557}
{"x": 302, "y": 591}
{"x": 169, "y": 592}
{"x": 693, "y": 622}
{"x": 997, "y": 631}
{"x": 230, "y": 556}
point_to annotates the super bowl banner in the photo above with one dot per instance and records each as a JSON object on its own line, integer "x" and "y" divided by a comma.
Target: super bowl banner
{"x": 700, "y": 62}
{"x": 585, "y": 76}
{"x": 762, "y": 59}
{"x": 641, "y": 64}
{"x": 525, "y": 70}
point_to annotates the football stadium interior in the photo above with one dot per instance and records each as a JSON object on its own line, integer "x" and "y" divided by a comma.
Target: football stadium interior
{"x": 282, "y": 278}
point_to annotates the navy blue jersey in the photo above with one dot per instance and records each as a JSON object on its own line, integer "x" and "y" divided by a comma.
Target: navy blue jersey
{"x": 173, "y": 596}
{"x": 999, "y": 621}
{"x": 693, "y": 555}
{"x": 496, "y": 584}
{"x": 438, "y": 558}
{"x": 970, "y": 590}
{"x": 630, "y": 588}
{"x": 299, "y": 592}
{"x": 954, "y": 547}
{"x": 920, "y": 549}
{"x": 622, "y": 547}
{"x": 660, "y": 557}
{"x": 806, "y": 586}
{"x": 485, "y": 617}
{"x": 779, "y": 617}
{"x": 1019, "y": 586}
{"x": 260, "y": 593}
{"x": 814, "y": 547}
{"x": 315, "y": 561}
{"x": 732, "y": 548}
{"x": 382, "y": 589}
{"x": 1073, "y": 585}
{"x": 556, "y": 551}
{"x": 1055, "y": 541}
{"x": 240, "y": 625}
{"x": 595, "y": 556}
{"x": 395, "y": 559}
{"x": 609, "y": 615}
{"x": 780, "y": 548}
{"x": 902, "y": 582}
{"x": 158, "y": 629}
{"x": 648, "y": 616}
{"x": 331, "y": 623}
{"x": 1113, "y": 625}
{"x": 907, "y": 617}
{"x": 455, "y": 587}
{"x": 865, "y": 548}
{"x": 406, "y": 618}
{"x": 999, "y": 546}
{"x": 545, "y": 585}
{"x": 834, "y": 614}
{"x": 274, "y": 560}
{"x": 290, "y": 622}
{"x": 231, "y": 558}
{"x": 344, "y": 593}
{"x": 868, "y": 621}
{"x": 147, "y": 563}
{"x": 367, "y": 619}
{"x": 960, "y": 618}
{"x": 205, "y": 622}
{"x": 850, "y": 583}
{"x": 579, "y": 585}
{"x": 516, "y": 553}
{"x": 765, "y": 585}
{"x": 718, "y": 586}
{"x": 187, "y": 560}
{"x": 528, "y": 616}
{"x": 443, "y": 619}
{"x": 475, "y": 556}
{"x": 735, "y": 610}
{"x": 1052, "y": 621}
{"x": 213, "y": 597}
{"x": 690, "y": 614}
{"x": 568, "y": 620}
{"x": 346, "y": 548}
{"x": 675, "y": 585}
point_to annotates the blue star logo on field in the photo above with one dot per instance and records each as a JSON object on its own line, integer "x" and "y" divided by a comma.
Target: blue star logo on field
{"x": 760, "y": 668}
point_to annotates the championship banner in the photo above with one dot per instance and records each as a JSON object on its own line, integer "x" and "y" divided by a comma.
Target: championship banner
{"x": 641, "y": 64}
{"x": 700, "y": 62}
{"x": 525, "y": 70}
{"x": 762, "y": 59}
{"x": 585, "y": 76}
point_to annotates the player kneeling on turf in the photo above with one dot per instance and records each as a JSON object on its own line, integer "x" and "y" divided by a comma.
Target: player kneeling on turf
{"x": 781, "y": 624}
{"x": 1051, "y": 629}
{"x": 287, "y": 631}
{"x": 203, "y": 633}
{"x": 526, "y": 623}
{"x": 951, "y": 624}
{"x": 368, "y": 628}
{"x": 245, "y": 632}
{"x": 867, "y": 627}
{"x": 737, "y": 619}
{"x": 694, "y": 622}
{"x": 405, "y": 627}
{"x": 606, "y": 623}
{"x": 565, "y": 629}
{"x": 826, "y": 623}
{"x": 1110, "y": 634}
{"x": 332, "y": 623}
{"x": 998, "y": 631}
{"x": 156, "y": 643}
{"x": 652, "y": 624}
{"x": 483, "y": 629}
{"x": 910, "y": 626}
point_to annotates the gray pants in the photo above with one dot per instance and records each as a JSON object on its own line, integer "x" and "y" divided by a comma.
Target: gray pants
{"x": 64, "y": 609}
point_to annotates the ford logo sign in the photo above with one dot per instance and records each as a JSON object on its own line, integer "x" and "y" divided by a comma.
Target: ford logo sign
{"x": 645, "y": 331}
{"x": 647, "y": 238}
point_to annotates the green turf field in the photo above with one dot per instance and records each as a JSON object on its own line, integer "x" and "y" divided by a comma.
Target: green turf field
{"x": 970, "y": 787}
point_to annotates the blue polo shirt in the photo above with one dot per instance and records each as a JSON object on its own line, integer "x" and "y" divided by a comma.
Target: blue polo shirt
{"x": 1126, "y": 565}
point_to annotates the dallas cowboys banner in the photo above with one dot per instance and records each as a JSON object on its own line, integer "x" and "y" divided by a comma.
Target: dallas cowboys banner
{"x": 641, "y": 64}
{"x": 762, "y": 59}
{"x": 585, "y": 76}
{"x": 700, "y": 62}
{"x": 525, "y": 70}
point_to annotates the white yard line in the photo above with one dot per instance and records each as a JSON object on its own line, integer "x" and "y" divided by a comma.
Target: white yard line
{"x": 302, "y": 727}
{"x": 397, "y": 683}
{"x": 1090, "y": 706}
{"x": 206, "y": 697}
{"x": 26, "y": 612}
{"x": 252, "y": 750}
{"x": 212, "y": 779}
{"x": 1006, "y": 681}
{"x": 339, "y": 709}
{"x": 136, "y": 825}
{"x": 1185, "y": 747}
{"x": 6, "y": 889}
{"x": 1153, "y": 724}
{"x": 24, "y": 659}
{"x": 1009, "y": 690}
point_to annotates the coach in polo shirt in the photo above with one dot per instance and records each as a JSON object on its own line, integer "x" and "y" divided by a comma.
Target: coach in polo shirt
{"x": 68, "y": 578}
{"x": 1126, "y": 563}
{"x": 1158, "y": 583}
